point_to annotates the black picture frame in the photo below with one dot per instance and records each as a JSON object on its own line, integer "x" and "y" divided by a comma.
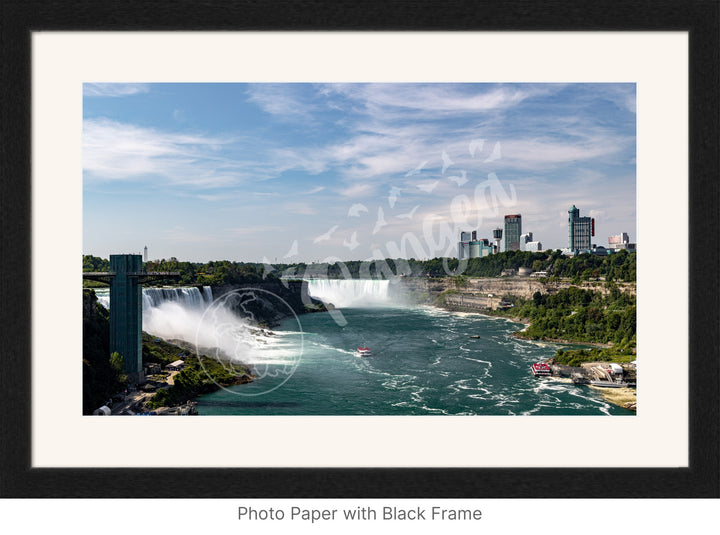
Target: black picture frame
{"x": 700, "y": 18}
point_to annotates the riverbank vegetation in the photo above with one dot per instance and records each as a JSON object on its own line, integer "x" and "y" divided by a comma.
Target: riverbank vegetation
{"x": 576, "y": 357}
{"x": 200, "y": 376}
{"x": 101, "y": 379}
{"x": 620, "y": 266}
{"x": 577, "y": 315}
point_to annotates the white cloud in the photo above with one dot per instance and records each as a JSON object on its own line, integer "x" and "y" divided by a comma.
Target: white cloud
{"x": 118, "y": 151}
{"x": 278, "y": 100}
{"x": 357, "y": 190}
{"x": 298, "y": 208}
{"x": 437, "y": 98}
{"x": 114, "y": 90}
{"x": 317, "y": 189}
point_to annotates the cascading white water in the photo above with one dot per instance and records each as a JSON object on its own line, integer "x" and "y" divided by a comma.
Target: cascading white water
{"x": 170, "y": 313}
{"x": 347, "y": 293}
{"x": 190, "y": 297}
{"x": 189, "y": 314}
{"x": 174, "y": 313}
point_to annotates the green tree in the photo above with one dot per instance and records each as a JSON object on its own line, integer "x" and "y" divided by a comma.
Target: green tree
{"x": 117, "y": 361}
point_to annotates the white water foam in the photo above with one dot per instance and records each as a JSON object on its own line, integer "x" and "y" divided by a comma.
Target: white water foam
{"x": 348, "y": 293}
{"x": 177, "y": 314}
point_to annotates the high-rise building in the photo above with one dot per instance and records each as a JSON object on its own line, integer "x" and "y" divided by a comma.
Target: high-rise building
{"x": 497, "y": 236}
{"x": 580, "y": 230}
{"x": 513, "y": 231}
{"x": 470, "y": 246}
{"x": 620, "y": 238}
{"x": 464, "y": 245}
{"x": 525, "y": 239}
{"x": 480, "y": 248}
{"x": 145, "y": 254}
{"x": 621, "y": 241}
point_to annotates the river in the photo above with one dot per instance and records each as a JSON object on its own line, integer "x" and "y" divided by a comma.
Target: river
{"x": 425, "y": 360}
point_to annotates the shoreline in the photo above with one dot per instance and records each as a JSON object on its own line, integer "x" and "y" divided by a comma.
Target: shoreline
{"x": 624, "y": 398}
{"x": 527, "y": 323}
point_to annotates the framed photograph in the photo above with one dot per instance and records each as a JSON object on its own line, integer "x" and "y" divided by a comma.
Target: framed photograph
{"x": 321, "y": 242}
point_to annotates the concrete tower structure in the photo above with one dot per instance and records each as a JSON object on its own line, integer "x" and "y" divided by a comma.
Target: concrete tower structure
{"x": 125, "y": 279}
{"x": 126, "y": 310}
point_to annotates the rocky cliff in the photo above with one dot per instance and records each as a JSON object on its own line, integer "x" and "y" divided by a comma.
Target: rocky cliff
{"x": 428, "y": 289}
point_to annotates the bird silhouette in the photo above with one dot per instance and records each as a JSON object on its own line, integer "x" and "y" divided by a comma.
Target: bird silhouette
{"x": 355, "y": 210}
{"x": 475, "y": 144}
{"x": 459, "y": 180}
{"x": 496, "y": 154}
{"x": 394, "y": 194}
{"x": 293, "y": 250}
{"x": 353, "y": 243}
{"x": 428, "y": 187}
{"x": 410, "y": 214}
{"x": 326, "y": 236}
{"x": 447, "y": 162}
{"x": 417, "y": 169}
{"x": 380, "y": 223}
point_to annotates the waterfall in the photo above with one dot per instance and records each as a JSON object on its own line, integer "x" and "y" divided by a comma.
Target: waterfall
{"x": 170, "y": 313}
{"x": 189, "y": 297}
{"x": 190, "y": 314}
{"x": 348, "y": 293}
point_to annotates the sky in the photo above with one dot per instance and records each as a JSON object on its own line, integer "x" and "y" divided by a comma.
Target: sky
{"x": 286, "y": 173}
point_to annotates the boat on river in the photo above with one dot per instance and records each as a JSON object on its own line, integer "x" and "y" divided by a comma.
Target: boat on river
{"x": 540, "y": 369}
{"x": 364, "y": 352}
{"x": 609, "y": 384}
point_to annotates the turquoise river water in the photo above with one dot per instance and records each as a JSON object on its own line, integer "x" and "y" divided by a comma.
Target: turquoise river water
{"x": 425, "y": 361}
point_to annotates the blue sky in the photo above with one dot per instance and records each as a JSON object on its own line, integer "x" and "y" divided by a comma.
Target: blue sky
{"x": 283, "y": 173}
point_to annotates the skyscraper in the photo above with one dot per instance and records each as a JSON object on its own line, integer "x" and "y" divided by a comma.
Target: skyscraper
{"x": 470, "y": 246}
{"x": 497, "y": 236}
{"x": 525, "y": 239}
{"x": 580, "y": 230}
{"x": 513, "y": 230}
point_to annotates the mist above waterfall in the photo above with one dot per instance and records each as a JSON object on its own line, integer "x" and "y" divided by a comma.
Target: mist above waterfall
{"x": 170, "y": 313}
{"x": 351, "y": 293}
{"x": 192, "y": 315}
{"x": 174, "y": 313}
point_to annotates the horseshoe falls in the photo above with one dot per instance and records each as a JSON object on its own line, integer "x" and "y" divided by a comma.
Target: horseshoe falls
{"x": 350, "y": 293}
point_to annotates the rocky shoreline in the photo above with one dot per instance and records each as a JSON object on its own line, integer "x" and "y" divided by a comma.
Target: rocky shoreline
{"x": 622, "y": 397}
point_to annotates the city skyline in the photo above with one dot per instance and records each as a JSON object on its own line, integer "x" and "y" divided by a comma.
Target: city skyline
{"x": 284, "y": 173}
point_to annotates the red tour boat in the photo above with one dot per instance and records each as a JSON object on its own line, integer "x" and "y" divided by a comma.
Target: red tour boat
{"x": 540, "y": 368}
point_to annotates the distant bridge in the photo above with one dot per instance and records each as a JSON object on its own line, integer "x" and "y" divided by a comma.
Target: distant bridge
{"x": 107, "y": 276}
